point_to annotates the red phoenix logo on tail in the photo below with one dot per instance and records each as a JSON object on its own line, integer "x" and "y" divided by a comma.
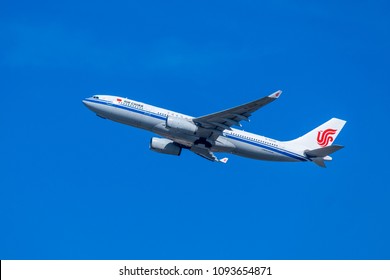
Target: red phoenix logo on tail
{"x": 324, "y": 137}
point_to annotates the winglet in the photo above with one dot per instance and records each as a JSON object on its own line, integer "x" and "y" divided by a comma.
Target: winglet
{"x": 224, "y": 160}
{"x": 275, "y": 94}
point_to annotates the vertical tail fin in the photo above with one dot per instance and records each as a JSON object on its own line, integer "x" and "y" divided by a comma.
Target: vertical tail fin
{"x": 322, "y": 136}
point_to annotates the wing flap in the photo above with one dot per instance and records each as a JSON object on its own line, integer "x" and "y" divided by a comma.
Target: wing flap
{"x": 206, "y": 153}
{"x": 203, "y": 152}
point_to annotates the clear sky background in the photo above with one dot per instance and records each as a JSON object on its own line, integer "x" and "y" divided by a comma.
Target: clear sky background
{"x": 74, "y": 186}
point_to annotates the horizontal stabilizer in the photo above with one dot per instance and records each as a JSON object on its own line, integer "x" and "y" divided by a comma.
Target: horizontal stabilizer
{"x": 323, "y": 152}
{"x": 318, "y": 156}
{"x": 319, "y": 161}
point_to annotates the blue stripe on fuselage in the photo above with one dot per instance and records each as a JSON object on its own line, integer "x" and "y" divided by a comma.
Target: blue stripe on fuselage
{"x": 280, "y": 151}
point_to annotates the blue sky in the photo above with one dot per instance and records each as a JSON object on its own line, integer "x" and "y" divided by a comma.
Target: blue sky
{"x": 74, "y": 186}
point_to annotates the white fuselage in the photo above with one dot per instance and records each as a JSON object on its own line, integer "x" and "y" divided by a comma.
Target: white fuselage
{"x": 152, "y": 118}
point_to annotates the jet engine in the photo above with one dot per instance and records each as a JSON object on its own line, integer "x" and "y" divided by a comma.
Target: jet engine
{"x": 164, "y": 146}
{"x": 181, "y": 125}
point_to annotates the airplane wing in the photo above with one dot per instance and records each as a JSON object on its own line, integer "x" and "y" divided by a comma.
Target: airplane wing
{"x": 206, "y": 153}
{"x": 228, "y": 118}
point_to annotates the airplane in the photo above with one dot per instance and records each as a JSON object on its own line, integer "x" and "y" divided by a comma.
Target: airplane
{"x": 214, "y": 133}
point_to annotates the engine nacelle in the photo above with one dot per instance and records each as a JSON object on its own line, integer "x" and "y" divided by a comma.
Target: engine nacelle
{"x": 164, "y": 146}
{"x": 181, "y": 125}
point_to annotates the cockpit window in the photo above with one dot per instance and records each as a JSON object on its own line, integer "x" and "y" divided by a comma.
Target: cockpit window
{"x": 96, "y": 97}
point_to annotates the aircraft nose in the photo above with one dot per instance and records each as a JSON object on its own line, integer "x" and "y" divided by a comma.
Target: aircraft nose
{"x": 86, "y": 103}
